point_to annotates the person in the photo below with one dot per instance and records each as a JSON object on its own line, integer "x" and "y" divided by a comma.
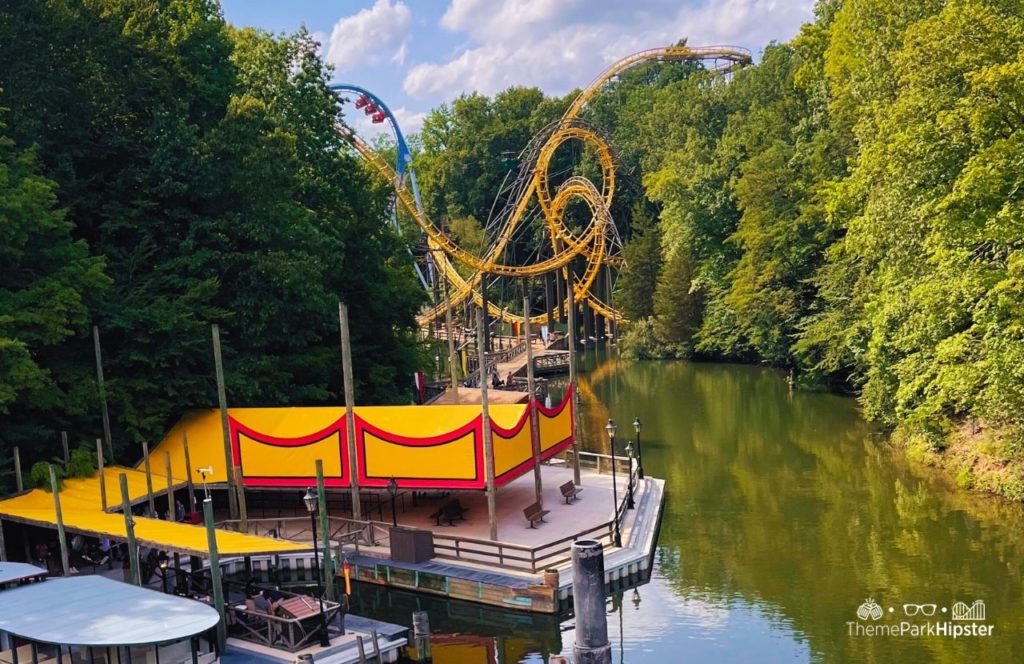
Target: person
{"x": 273, "y": 597}
{"x": 510, "y": 381}
{"x": 495, "y": 378}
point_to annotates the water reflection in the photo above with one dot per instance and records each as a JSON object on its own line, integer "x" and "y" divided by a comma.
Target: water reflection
{"x": 784, "y": 512}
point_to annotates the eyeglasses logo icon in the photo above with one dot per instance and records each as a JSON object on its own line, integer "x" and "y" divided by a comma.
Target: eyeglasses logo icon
{"x": 926, "y": 610}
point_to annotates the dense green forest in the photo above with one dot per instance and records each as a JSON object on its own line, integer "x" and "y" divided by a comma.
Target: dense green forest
{"x": 849, "y": 208}
{"x": 160, "y": 171}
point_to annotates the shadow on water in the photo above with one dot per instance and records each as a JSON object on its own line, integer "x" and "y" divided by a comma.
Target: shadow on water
{"x": 784, "y": 512}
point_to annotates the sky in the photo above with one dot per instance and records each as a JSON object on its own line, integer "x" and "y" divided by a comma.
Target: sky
{"x": 417, "y": 54}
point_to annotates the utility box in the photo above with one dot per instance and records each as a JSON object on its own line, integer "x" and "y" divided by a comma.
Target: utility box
{"x": 409, "y": 545}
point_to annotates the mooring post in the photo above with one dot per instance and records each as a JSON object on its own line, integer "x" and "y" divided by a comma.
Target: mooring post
{"x": 149, "y": 482}
{"x": 103, "y": 392}
{"x": 486, "y": 424}
{"x": 215, "y": 579}
{"x": 421, "y": 635}
{"x": 188, "y": 474}
{"x": 61, "y": 536}
{"x": 19, "y": 483}
{"x": 571, "y": 339}
{"x": 99, "y": 468}
{"x": 350, "y": 423}
{"x": 222, "y": 402}
{"x": 532, "y": 404}
{"x": 327, "y": 569}
{"x": 592, "y": 646}
{"x": 129, "y": 527}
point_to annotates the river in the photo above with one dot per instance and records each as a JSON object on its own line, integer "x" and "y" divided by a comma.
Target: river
{"x": 785, "y": 513}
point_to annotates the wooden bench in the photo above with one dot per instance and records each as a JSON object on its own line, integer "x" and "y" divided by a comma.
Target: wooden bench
{"x": 534, "y": 513}
{"x": 450, "y": 511}
{"x": 570, "y": 491}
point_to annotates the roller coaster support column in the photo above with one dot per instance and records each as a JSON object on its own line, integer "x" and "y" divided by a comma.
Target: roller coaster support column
{"x": 613, "y": 331}
{"x": 486, "y": 424}
{"x": 531, "y": 386}
{"x": 350, "y": 423}
{"x": 450, "y": 333}
{"x": 571, "y": 307}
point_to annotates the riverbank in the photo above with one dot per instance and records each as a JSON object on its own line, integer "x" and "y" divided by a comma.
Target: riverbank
{"x": 978, "y": 457}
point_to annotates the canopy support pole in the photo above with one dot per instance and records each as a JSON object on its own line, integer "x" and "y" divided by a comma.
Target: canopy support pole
{"x": 350, "y": 424}
{"x": 188, "y": 474}
{"x": 3, "y": 545}
{"x": 222, "y": 401}
{"x": 103, "y": 392}
{"x": 172, "y": 514}
{"x": 61, "y": 535}
{"x": 486, "y": 424}
{"x": 67, "y": 448}
{"x": 103, "y": 479}
{"x": 450, "y": 333}
{"x": 129, "y": 526}
{"x": 17, "y": 470}
{"x": 215, "y": 580}
{"x": 327, "y": 570}
{"x": 149, "y": 482}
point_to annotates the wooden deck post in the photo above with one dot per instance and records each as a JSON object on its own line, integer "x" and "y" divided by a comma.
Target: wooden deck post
{"x": 129, "y": 528}
{"x": 188, "y": 475}
{"x": 149, "y": 482}
{"x": 215, "y": 580}
{"x": 19, "y": 483}
{"x": 531, "y": 386}
{"x": 327, "y": 569}
{"x": 61, "y": 535}
{"x": 103, "y": 392}
{"x": 486, "y": 423}
{"x": 222, "y": 401}
{"x": 571, "y": 339}
{"x": 99, "y": 468}
{"x": 350, "y": 423}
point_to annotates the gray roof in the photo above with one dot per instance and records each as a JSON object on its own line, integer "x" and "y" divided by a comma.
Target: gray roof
{"x": 96, "y": 611}
{"x": 14, "y": 572}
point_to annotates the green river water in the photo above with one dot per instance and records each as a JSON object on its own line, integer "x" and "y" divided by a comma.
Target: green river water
{"x": 784, "y": 513}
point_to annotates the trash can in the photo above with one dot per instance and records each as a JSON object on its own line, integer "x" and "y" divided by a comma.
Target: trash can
{"x": 409, "y": 545}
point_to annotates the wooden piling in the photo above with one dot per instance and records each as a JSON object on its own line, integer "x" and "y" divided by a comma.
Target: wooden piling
{"x": 350, "y": 423}
{"x": 67, "y": 448}
{"x": 361, "y": 648}
{"x": 188, "y": 475}
{"x": 327, "y": 569}
{"x": 215, "y": 574}
{"x": 19, "y": 482}
{"x": 531, "y": 386}
{"x": 99, "y": 468}
{"x": 571, "y": 339}
{"x": 488, "y": 434}
{"x": 222, "y": 402}
{"x": 129, "y": 527}
{"x": 61, "y": 535}
{"x": 103, "y": 392}
{"x": 149, "y": 482}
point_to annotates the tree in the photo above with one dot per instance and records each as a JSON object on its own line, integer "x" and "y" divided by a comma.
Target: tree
{"x": 639, "y": 276}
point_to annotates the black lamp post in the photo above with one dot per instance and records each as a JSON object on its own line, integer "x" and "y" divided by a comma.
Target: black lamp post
{"x": 610, "y": 428}
{"x": 639, "y": 452}
{"x": 312, "y": 502}
{"x": 629, "y": 455}
{"x": 162, "y": 561}
{"x": 393, "y": 490}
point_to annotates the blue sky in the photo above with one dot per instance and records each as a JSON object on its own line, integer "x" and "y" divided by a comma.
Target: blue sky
{"x": 416, "y": 54}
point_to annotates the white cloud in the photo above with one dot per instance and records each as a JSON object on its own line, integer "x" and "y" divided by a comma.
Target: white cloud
{"x": 370, "y": 36}
{"x": 561, "y": 44}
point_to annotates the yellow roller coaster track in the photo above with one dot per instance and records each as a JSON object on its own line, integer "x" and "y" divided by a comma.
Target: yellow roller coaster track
{"x": 592, "y": 243}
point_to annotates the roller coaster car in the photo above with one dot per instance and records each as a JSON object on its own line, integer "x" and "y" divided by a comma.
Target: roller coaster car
{"x": 370, "y": 108}
{"x": 362, "y": 101}
{"x": 379, "y": 117}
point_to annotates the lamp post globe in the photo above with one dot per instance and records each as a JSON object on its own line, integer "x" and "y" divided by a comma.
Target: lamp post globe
{"x": 616, "y": 535}
{"x": 639, "y": 452}
{"x": 312, "y": 502}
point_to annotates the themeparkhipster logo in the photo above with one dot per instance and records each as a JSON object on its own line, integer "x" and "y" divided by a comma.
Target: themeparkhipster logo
{"x": 920, "y": 620}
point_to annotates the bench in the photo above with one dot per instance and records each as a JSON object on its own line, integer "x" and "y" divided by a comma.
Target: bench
{"x": 450, "y": 511}
{"x": 570, "y": 491}
{"x": 534, "y": 513}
